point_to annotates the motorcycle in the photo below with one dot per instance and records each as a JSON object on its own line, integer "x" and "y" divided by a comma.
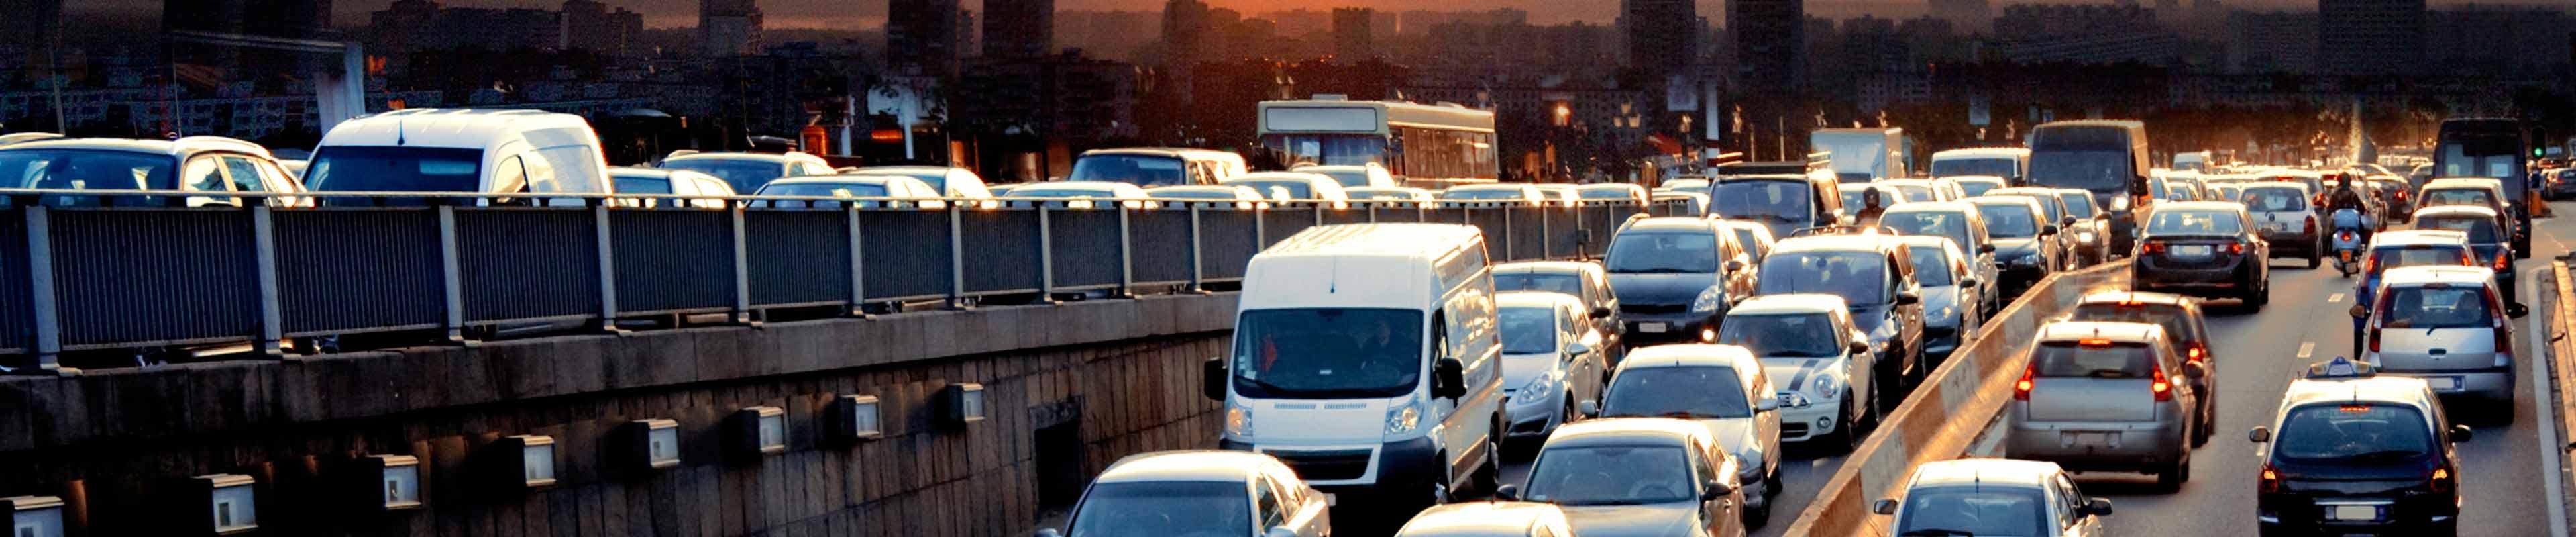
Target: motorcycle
{"x": 2347, "y": 241}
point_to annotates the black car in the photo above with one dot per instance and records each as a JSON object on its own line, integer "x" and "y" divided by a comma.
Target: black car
{"x": 1874, "y": 275}
{"x": 2353, "y": 452}
{"x": 2207, "y": 249}
{"x": 2026, "y": 248}
{"x": 1675, "y": 277}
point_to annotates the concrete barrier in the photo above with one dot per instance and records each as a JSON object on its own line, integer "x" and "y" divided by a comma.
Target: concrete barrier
{"x": 1946, "y": 416}
{"x": 2558, "y": 416}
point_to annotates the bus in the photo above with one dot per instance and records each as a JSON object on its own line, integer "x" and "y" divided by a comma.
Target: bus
{"x": 1428, "y": 146}
{"x": 2492, "y": 148}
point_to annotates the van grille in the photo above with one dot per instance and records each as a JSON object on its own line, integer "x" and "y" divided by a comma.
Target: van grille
{"x": 1326, "y": 465}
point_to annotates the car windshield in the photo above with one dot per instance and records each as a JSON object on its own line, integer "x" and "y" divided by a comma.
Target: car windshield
{"x": 1690, "y": 391}
{"x": 1969, "y": 510}
{"x": 395, "y": 169}
{"x": 2410, "y": 256}
{"x": 641, "y": 185}
{"x": 1327, "y": 353}
{"x": 2194, "y": 223}
{"x": 1979, "y": 188}
{"x": 1915, "y": 192}
{"x": 1142, "y": 170}
{"x": 2273, "y": 200}
{"x": 1788, "y": 335}
{"x": 1663, "y": 252}
{"x": 2347, "y": 432}
{"x": 1483, "y": 194}
{"x": 1995, "y": 166}
{"x": 2171, "y": 317}
{"x": 1931, "y": 265}
{"x": 2459, "y": 196}
{"x": 1554, "y": 282}
{"x": 2078, "y": 204}
{"x": 1609, "y": 475}
{"x": 2429, "y": 307}
{"x": 2047, "y": 206}
{"x": 825, "y": 190}
{"x": 1163, "y": 508}
{"x": 83, "y": 169}
{"x": 2480, "y": 229}
{"x": 1528, "y": 330}
{"x": 2009, "y": 221}
{"x": 1784, "y": 201}
{"x": 1859, "y": 277}
{"x": 2116, "y": 360}
{"x": 746, "y": 175}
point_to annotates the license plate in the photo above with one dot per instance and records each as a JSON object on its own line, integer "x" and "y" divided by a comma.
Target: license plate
{"x": 1652, "y": 328}
{"x": 2353, "y": 512}
{"x": 2086, "y": 438}
{"x": 2192, "y": 251}
{"x": 2346, "y": 256}
{"x": 1331, "y": 500}
{"x": 2443, "y": 383}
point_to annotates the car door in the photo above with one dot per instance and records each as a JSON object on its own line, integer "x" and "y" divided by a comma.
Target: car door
{"x": 1583, "y": 373}
{"x": 1766, "y": 425}
{"x": 1268, "y": 509}
{"x": 1716, "y": 515}
{"x": 1900, "y": 276}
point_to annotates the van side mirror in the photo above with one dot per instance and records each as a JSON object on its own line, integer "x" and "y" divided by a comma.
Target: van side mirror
{"x": 1279, "y": 531}
{"x": 1212, "y": 379}
{"x": 1449, "y": 379}
{"x": 2097, "y": 507}
{"x": 1856, "y": 348}
{"x": 1884, "y": 507}
{"x": 2259, "y": 435}
{"x": 2050, "y": 229}
{"x": 1715, "y": 490}
{"x": 2359, "y": 311}
{"x": 2516, "y": 310}
{"x": 1577, "y": 349}
{"x": 2461, "y": 433}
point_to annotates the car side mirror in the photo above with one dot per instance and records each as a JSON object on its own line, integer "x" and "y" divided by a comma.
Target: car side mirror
{"x": 2194, "y": 370}
{"x": 2050, "y": 229}
{"x": 1985, "y": 248}
{"x": 1767, "y": 404}
{"x": 1279, "y": 531}
{"x": 2138, "y": 186}
{"x": 2516, "y": 310}
{"x": 1508, "y": 492}
{"x": 2259, "y": 435}
{"x": 1599, "y": 313}
{"x": 2461, "y": 433}
{"x": 1909, "y": 298}
{"x": 1884, "y": 507}
{"x": 1049, "y": 532}
{"x": 2097, "y": 507}
{"x": 1212, "y": 379}
{"x": 1577, "y": 349}
{"x": 2359, "y": 311}
{"x": 1449, "y": 379}
{"x": 1733, "y": 265}
{"x": 1857, "y": 348}
{"x": 1967, "y": 282}
{"x": 2070, "y": 221}
{"x": 1715, "y": 491}
{"x": 1589, "y": 409}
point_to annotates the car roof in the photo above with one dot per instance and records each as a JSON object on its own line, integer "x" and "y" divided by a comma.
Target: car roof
{"x": 1793, "y": 303}
{"x": 1175, "y": 152}
{"x": 1627, "y": 431}
{"x": 2424, "y": 274}
{"x": 1984, "y": 472}
{"x": 2448, "y": 210}
{"x": 739, "y": 155}
{"x": 1193, "y": 465}
{"x": 1481, "y": 519}
{"x": 2463, "y": 182}
{"x": 182, "y": 146}
{"x": 1867, "y": 242}
{"x": 1977, "y": 178}
{"x": 1670, "y": 223}
{"x": 2371, "y": 388}
{"x": 1608, "y": 186}
{"x": 1903, "y": 182}
{"x": 1310, "y": 177}
{"x": 2136, "y": 297}
{"x": 1762, "y": 177}
{"x": 1060, "y": 186}
{"x": 446, "y": 127}
{"x": 2250, "y": 185}
{"x": 1991, "y": 198}
{"x": 2224, "y": 206}
{"x": 1229, "y": 189}
{"x": 1547, "y": 266}
{"x": 1982, "y": 152}
{"x": 2419, "y": 237}
{"x": 1536, "y": 299}
{"x": 2123, "y": 332}
{"x": 2022, "y": 190}
{"x": 1691, "y": 354}
{"x": 853, "y": 179}
{"x": 1491, "y": 186}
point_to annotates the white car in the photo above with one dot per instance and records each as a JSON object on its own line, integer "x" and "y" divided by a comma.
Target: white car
{"x": 1721, "y": 387}
{"x": 1243, "y": 197}
{"x": 1993, "y": 497}
{"x": 1814, "y": 358}
{"x": 874, "y": 190}
{"x": 1294, "y": 186}
{"x": 747, "y": 171}
{"x": 703, "y": 191}
{"x": 1077, "y": 194}
{"x": 1369, "y": 175}
{"x": 1198, "y": 494}
{"x": 1550, "y": 360}
{"x": 1488, "y": 519}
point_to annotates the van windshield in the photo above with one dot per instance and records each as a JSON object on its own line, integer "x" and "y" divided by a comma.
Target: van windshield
{"x": 395, "y": 169}
{"x": 2090, "y": 158}
{"x": 1327, "y": 353}
{"x": 1142, "y": 170}
{"x": 1769, "y": 201}
{"x": 1998, "y": 167}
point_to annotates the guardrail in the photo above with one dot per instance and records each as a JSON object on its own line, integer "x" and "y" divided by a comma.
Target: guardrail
{"x": 101, "y": 273}
{"x": 1945, "y": 415}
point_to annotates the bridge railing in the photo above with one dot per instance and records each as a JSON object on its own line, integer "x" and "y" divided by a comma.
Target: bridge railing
{"x": 110, "y": 270}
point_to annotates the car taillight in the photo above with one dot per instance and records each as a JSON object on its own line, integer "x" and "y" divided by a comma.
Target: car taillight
{"x": 2021, "y": 388}
{"x": 2269, "y": 481}
{"x": 2503, "y": 262}
{"x": 2235, "y": 247}
{"x": 2198, "y": 352}
{"x": 2311, "y": 226}
{"x": 2153, "y": 247}
{"x": 2162, "y": 386}
{"x": 2374, "y": 339}
{"x": 2442, "y": 480}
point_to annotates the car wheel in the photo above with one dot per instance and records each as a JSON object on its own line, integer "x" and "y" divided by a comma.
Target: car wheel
{"x": 2200, "y": 434}
{"x": 1757, "y": 518}
{"x": 1842, "y": 440}
{"x": 2170, "y": 479}
{"x": 2315, "y": 260}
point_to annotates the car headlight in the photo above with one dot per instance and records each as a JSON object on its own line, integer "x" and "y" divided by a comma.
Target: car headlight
{"x": 1707, "y": 301}
{"x": 1748, "y": 466}
{"x": 1404, "y": 419}
{"x": 1825, "y": 386}
{"x": 1535, "y": 390}
{"x": 1944, "y": 315}
{"x": 2119, "y": 203}
{"x": 1238, "y": 421}
{"x": 2084, "y": 235}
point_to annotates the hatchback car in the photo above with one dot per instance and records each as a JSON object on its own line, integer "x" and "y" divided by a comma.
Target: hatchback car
{"x": 1785, "y": 202}
{"x": 2185, "y": 330}
{"x": 2026, "y": 248}
{"x": 1755, "y": 237}
{"x": 747, "y": 172}
{"x": 1964, "y": 225}
{"x": 1637, "y": 477}
{"x": 2353, "y": 452}
{"x": 1489, "y": 519}
{"x": 1993, "y": 497}
{"x": 1584, "y": 281}
{"x": 2203, "y": 248}
{"x": 2069, "y": 250}
{"x": 2091, "y": 230}
{"x": 2450, "y": 326}
{"x": 1549, "y": 361}
{"x": 1207, "y": 493}
{"x": 2284, "y": 217}
{"x": 873, "y": 190}
{"x": 1721, "y": 387}
{"x": 2410, "y": 248}
{"x": 2103, "y": 397}
{"x": 1949, "y": 296}
{"x": 1874, "y": 275}
{"x": 1818, "y": 363}
{"x": 1077, "y": 195}
{"x": 2479, "y": 226}
{"x": 1675, "y": 277}
{"x": 2479, "y": 192}
{"x": 211, "y": 165}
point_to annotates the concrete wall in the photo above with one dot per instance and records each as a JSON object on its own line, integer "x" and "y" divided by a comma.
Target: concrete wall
{"x": 1124, "y": 371}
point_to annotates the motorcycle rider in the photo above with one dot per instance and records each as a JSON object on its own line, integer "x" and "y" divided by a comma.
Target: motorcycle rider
{"x": 2345, "y": 196}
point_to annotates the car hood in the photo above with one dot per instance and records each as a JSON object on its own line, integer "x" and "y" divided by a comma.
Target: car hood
{"x": 1518, "y": 369}
{"x": 1797, "y": 374}
{"x": 2010, "y": 248}
{"x": 1872, "y": 320}
{"x": 1936, "y": 299}
{"x": 1659, "y": 288}
{"x": 1656, "y": 520}
{"x": 1733, "y": 433}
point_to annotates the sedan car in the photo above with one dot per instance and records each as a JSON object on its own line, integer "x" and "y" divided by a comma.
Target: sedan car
{"x": 871, "y": 190}
{"x": 1965, "y": 226}
{"x": 2101, "y": 397}
{"x": 1721, "y": 387}
{"x": 1488, "y": 519}
{"x": 1818, "y": 363}
{"x": 1637, "y": 477}
{"x": 2343, "y": 425}
{"x": 660, "y": 182}
{"x": 1493, "y": 192}
{"x": 2025, "y": 242}
{"x": 1970, "y": 497}
{"x": 2203, "y": 248}
{"x": 1549, "y": 361}
{"x": 2285, "y": 217}
{"x": 1198, "y": 493}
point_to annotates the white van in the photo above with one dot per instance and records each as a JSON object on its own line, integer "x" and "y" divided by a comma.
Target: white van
{"x": 1367, "y": 357}
{"x": 1157, "y": 166}
{"x": 461, "y": 151}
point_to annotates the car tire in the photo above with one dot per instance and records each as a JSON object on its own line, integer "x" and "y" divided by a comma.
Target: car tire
{"x": 2200, "y": 434}
{"x": 1843, "y": 440}
{"x": 2171, "y": 478}
{"x": 2315, "y": 261}
{"x": 2500, "y": 413}
{"x": 1757, "y": 518}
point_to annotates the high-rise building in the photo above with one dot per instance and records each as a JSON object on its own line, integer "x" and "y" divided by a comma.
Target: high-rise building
{"x": 1662, "y": 35}
{"x": 1019, "y": 28}
{"x": 921, "y": 37}
{"x": 2513, "y": 42}
{"x": 2367, "y": 37}
{"x": 2085, "y": 34}
{"x": 1770, "y": 43}
{"x": 1185, "y": 27}
{"x": 1965, "y": 15}
{"x": 2274, "y": 42}
{"x": 28, "y": 30}
{"x": 969, "y": 35}
{"x": 1352, "y": 39}
{"x": 589, "y": 25}
{"x": 729, "y": 27}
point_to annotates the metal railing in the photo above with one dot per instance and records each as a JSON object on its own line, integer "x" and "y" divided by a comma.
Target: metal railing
{"x": 102, "y": 274}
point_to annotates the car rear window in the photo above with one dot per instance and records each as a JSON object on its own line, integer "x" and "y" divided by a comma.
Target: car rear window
{"x": 2480, "y": 229}
{"x": 2412, "y": 256}
{"x": 2110, "y": 360}
{"x": 2194, "y": 223}
{"x": 2274, "y": 199}
{"x": 2166, "y": 315}
{"x": 2430, "y": 307}
{"x": 2459, "y": 196}
{"x": 2354, "y": 433}
{"x": 1539, "y": 281}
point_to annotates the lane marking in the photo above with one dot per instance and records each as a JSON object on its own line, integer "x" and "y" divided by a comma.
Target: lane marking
{"x": 2333, "y": 298}
{"x": 2306, "y": 349}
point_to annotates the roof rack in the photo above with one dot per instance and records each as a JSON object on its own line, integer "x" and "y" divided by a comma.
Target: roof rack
{"x": 2340, "y": 368}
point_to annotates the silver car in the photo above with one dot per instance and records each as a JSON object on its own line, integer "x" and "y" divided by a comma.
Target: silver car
{"x": 2447, "y": 325}
{"x": 1720, "y": 387}
{"x": 1994, "y": 497}
{"x": 1199, "y": 493}
{"x": 2104, "y": 396}
{"x": 1488, "y": 519}
{"x": 1549, "y": 360}
{"x": 1636, "y": 477}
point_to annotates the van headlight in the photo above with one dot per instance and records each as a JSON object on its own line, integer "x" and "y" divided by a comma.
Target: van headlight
{"x": 2119, "y": 203}
{"x": 1238, "y": 421}
{"x": 1707, "y": 301}
{"x": 1404, "y": 419}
